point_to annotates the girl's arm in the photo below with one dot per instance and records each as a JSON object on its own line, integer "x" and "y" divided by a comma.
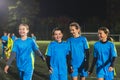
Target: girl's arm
{"x": 86, "y": 63}
{"x": 112, "y": 62}
{"x": 93, "y": 65}
{"x": 70, "y": 70}
{"x": 38, "y": 52}
{"x": 12, "y": 57}
{"x": 48, "y": 62}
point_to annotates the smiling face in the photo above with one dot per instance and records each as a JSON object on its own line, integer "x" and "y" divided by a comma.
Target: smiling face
{"x": 102, "y": 35}
{"x": 23, "y": 30}
{"x": 74, "y": 31}
{"x": 58, "y": 35}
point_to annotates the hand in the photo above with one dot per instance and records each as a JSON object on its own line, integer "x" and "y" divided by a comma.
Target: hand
{"x": 89, "y": 73}
{"x": 3, "y": 41}
{"x": 50, "y": 70}
{"x": 6, "y": 69}
{"x": 70, "y": 69}
{"x": 111, "y": 68}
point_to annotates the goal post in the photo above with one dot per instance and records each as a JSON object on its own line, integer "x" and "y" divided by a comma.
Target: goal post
{"x": 93, "y": 36}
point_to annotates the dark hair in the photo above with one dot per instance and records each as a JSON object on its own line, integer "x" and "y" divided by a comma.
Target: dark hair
{"x": 75, "y": 24}
{"x": 56, "y": 29}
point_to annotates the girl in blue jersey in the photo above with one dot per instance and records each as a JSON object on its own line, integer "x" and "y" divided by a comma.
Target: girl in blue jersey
{"x": 4, "y": 39}
{"x": 79, "y": 53}
{"x": 104, "y": 56}
{"x": 23, "y": 52}
{"x": 13, "y": 37}
{"x": 56, "y": 55}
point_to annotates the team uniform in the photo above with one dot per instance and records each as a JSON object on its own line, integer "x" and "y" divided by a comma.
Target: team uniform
{"x": 104, "y": 52}
{"x": 58, "y": 52}
{"x": 78, "y": 46}
{"x": 33, "y": 37}
{"x": 4, "y": 44}
{"x": 14, "y": 38}
{"x": 25, "y": 57}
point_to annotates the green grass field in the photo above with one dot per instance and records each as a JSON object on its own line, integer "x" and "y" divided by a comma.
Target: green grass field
{"x": 41, "y": 71}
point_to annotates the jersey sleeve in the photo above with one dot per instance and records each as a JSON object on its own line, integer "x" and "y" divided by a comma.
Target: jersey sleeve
{"x": 86, "y": 43}
{"x": 2, "y": 38}
{"x": 14, "y": 48}
{"x": 69, "y": 46}
{"x": 34, "y": 45}
{"x": 94, "y": 52}
{"x": 113, "y": 50}
{"x": 48, "y": 50}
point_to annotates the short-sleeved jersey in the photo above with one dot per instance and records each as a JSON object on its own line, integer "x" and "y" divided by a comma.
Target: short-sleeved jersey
{"x": 58, "y": 52}
{"x": 14, "y": 38}
{"x": 5, "y": 38}
{"x": 4, "y": 41}
{"x": 77, "y": 47}
{"x": 24, "y": 53}
{"x": 34, "y": 37}
{"x": 104, "y": 52}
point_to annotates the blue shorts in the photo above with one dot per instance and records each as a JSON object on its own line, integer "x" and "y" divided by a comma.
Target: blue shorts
{"x": 107, "y": 76}
{"x": 75, "y": 73}
{"x": 57, "y": 76}
{"x": 26, "y": 75}
{"x": 54, "y": 76}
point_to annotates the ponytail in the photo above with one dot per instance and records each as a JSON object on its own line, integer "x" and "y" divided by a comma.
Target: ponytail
{"x": 110, "y": 39}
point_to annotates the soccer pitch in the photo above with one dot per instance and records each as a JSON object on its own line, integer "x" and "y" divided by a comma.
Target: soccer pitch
{"x": 41, "y": 71}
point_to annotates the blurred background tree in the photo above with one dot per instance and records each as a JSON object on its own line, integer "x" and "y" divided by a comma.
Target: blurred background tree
{"x": 22, "y": 12}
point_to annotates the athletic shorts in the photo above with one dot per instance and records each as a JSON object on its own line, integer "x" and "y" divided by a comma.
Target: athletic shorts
{"x": 26, "y": 75}
{"x": 107, "y": 76}
{"x": 55, "y": 75}
{"x": 75, "y": 73}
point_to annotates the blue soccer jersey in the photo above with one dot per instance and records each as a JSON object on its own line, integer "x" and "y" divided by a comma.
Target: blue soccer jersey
{"x": 33, "y": 37}
{"x": 14, "y": 38}
{"x": 104, "y": 52}
{"x": 78, "y": 46}
{"x": 58, "y": 52}
{"x": 5, "y": 38}
{"x": 24, "y": 53}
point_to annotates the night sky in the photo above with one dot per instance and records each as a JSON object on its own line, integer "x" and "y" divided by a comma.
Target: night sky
{"x": 82, "y": 9}
{"x": 73, "y": 8}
